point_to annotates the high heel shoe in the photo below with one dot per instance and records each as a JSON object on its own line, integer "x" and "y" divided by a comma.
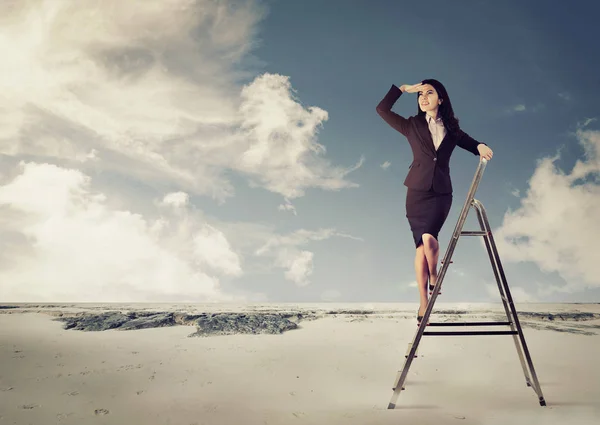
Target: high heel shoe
{"x": 419, "y": 318}
{"x": 432, "y": 287}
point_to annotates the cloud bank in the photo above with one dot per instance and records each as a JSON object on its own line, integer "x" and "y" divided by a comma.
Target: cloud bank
{"x": 557, "y": 227}
{"x": 155, "y": 93}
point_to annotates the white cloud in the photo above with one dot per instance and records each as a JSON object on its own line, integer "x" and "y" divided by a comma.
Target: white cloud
{"x": 69, "y": 245}
{"x": 158, "y": 106}
{"x": 510, "y": 110}
{"x": 557, "y": 226}
{"x": 93, "y": 89}
{"x": 91, "y": 156}
{"x": 283, "y": 154}
{"x": 522, "y": 108}
{"x": 301, "y": 237}
{"x": 565, "y": 95}
{"x": 287, "y": 207}
{"x": 74, "y": 248}
{"x": 587, "y": 122}
{"x": 176, "y": 199}
{"x": 386, "y": 165}
{"x": 298, "y": 264}
{"x": 211, "y": 249}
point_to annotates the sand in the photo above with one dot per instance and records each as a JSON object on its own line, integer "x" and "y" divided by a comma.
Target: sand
{"x": 333, "y": 369}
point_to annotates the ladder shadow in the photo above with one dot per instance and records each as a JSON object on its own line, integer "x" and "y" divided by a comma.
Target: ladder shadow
{"x": 551, "y": 383}
{"x": 572, "y": 403}
{"x": 416, "y": 406}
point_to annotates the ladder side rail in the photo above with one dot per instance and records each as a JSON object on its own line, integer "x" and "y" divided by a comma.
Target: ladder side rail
{"x": 479, "y": 208}
{"x": 459, "y": 225}
{"x": 536, "y": 387}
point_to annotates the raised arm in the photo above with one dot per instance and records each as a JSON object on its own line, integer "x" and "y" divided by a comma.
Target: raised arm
{"x": 384, "y": 109}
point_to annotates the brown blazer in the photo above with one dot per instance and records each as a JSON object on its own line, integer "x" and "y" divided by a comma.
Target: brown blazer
{"x": 430, "y": 168}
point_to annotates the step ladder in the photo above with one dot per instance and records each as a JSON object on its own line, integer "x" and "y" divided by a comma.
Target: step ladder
{"x": 511, "y": 313}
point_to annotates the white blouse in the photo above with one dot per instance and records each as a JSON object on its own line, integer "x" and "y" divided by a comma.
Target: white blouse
{"x": 437, "y": 130}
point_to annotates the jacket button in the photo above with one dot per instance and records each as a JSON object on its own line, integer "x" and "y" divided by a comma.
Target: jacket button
{"x": 435, "y": 159}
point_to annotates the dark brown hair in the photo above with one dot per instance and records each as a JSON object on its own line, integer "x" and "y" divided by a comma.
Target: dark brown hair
{"x": 445, "y": 110}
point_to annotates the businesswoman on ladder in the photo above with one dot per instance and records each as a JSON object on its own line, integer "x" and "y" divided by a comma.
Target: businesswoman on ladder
{"x": 432, "y": 134}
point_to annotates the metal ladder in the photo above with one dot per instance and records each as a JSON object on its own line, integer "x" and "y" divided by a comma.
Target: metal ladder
{"x": 507, "y": 301}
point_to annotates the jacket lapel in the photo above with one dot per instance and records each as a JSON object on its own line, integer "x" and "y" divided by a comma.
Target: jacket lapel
{"x": 422, "y": 130}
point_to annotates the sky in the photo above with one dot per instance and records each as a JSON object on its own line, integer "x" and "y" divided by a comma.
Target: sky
{"x": 229, "y": 151}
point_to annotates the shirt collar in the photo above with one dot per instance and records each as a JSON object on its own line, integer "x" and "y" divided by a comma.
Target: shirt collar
{"x": 438, "y": 120}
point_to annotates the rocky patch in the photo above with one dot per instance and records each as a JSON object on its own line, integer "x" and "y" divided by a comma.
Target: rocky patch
{"x": 207, "y": 323}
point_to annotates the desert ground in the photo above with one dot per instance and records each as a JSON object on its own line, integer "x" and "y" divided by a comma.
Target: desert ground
{"x": 290, "y": 364}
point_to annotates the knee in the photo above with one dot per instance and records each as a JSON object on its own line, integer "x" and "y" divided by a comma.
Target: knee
{"x": 429, "y": 242}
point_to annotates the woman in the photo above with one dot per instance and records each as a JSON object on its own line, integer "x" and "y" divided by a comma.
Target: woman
{"x": 432, "y": 134}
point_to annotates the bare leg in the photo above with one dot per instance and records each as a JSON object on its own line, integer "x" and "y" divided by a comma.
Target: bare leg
{"x": 431, "y": 250}
{"x": 421, "y": 270}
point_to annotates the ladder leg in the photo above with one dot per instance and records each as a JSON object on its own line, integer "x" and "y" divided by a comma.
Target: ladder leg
{"x": 502, "y": 292}
{"x": 401, "y": 376}
{"x": 535, "y": 384}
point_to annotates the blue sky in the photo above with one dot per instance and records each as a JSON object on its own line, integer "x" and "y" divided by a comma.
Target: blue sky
{"x": 236, "y": 155}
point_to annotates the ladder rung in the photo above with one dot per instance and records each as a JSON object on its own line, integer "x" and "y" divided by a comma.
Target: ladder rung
{"x": 471, "y": 333}
{"x": 470, "y": 324}
{"x": 473, "y": 233}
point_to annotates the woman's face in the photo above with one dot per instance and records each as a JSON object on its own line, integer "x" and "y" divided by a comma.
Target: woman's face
{"x": 428, "y": 98}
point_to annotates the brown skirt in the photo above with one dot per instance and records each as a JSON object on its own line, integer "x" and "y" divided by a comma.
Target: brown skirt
{"x": 426, "y": 212}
